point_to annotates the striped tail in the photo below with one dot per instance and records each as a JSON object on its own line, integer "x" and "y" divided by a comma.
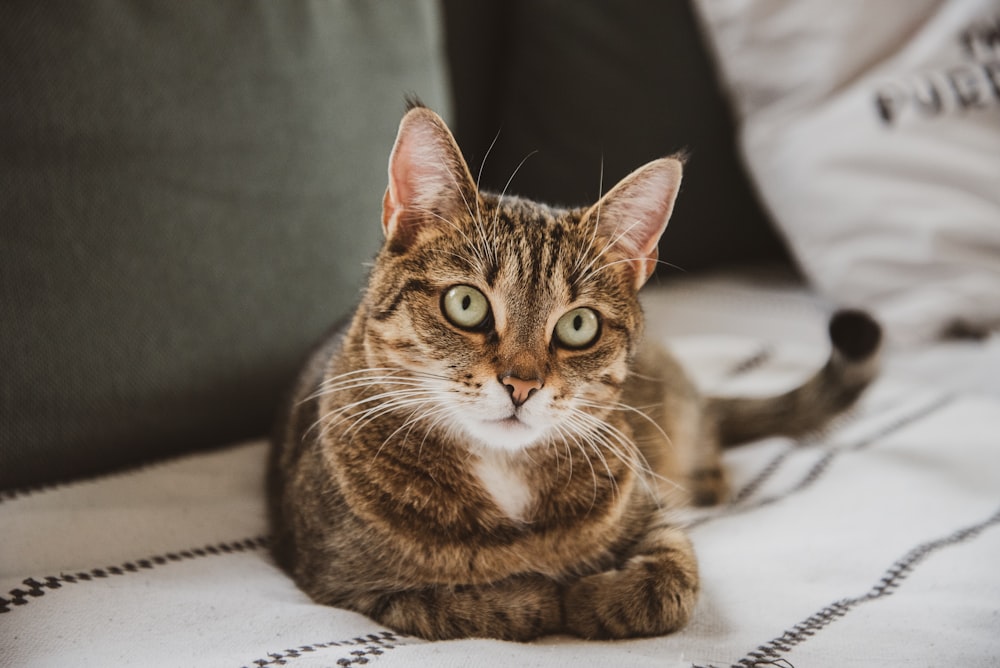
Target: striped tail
{"x": 852, "y": 366}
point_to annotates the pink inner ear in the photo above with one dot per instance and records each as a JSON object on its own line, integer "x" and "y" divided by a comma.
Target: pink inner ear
{"x": 409, "y": 159}
{"x": 634, "y": 214}
{"x": 641, "y": 214}
{"x": 426, "y": 172}
{"x": 418, "y": 168}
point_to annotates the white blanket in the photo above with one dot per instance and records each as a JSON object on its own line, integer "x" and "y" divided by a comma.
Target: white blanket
{"x": 875, "y": 544}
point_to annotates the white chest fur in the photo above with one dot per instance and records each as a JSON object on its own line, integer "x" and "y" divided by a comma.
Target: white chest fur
{"x": 505, "y": 484}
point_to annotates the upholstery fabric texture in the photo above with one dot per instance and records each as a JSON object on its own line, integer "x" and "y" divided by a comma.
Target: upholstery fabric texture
{"x": 188, "y": 192}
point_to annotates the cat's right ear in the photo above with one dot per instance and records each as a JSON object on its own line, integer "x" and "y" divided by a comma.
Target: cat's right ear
{"x": 429, "y": 181}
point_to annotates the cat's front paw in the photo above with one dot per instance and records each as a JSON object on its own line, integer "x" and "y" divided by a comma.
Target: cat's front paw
{"x": 651, "y": 595}
{"x": 519, "y": 608}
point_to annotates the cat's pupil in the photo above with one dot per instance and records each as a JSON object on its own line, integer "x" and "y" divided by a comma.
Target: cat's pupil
{"x": 466, "y": 302}
{"x": 578, "y": 322}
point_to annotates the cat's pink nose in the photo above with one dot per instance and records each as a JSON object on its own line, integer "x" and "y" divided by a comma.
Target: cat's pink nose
{"x": 520, "y": 389}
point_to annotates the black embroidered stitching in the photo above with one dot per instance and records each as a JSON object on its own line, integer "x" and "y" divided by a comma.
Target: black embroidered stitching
{"x": 747, "y": 365}
{"x": 774, "y": 465}
{"x": 367, "y": 647}
{"x": 820, "y": 467}
{"x": 752, "y": 363}
{"x": 770, "y": 653}
{"x": 755, "y": 361}
{"x": 35, "y": 588}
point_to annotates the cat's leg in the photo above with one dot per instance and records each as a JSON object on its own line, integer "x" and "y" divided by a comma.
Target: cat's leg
{"x": 706, "y": 478}
{"x": 689, "y": 461}
{"x": 518, "y": 608}
{"x": 652, "y": 593}
{"x": 677, "y": 438}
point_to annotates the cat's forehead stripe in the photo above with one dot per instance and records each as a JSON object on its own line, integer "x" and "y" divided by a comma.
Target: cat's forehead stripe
{"x": 532, "y": 238}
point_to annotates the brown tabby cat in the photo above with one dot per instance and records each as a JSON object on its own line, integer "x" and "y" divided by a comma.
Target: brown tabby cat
{"x": 489, "y": 450}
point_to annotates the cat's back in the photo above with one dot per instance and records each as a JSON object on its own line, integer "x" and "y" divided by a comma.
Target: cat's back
{"x": 297, "y": 418}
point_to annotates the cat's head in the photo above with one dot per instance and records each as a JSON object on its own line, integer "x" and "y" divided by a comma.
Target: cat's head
{"x": 514, "y": 321}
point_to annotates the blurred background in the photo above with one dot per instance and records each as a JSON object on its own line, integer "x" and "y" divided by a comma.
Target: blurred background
{"x": 189, "y": 191}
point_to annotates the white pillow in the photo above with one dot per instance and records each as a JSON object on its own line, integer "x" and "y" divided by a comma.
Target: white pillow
{"x": 872, "y": 131}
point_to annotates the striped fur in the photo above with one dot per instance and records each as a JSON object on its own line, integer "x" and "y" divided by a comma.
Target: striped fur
{"x": 455, "y": 480}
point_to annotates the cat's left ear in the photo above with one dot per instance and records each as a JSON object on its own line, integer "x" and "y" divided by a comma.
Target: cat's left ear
{"x": 429, "y": 180}
{"x": 634, "y": 214}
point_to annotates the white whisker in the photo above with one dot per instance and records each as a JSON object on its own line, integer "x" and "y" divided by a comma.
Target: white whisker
{"x": 623, "y": 448}
{"x": 503, "y": 193}
{"x": 582, "y": 255}
{"x": 479, "y": 214}
{"x": 414, "y": 418}
{"x": 619, "y": 406}
{"x": 586, "y": 273}
{"x": 569, "y": 438}
{"x": 477, "y": 250}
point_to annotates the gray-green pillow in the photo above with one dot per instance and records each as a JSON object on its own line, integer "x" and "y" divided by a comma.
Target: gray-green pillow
{"x": 188, "y": 192}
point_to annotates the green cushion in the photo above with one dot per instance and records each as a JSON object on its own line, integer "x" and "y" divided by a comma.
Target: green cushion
{"x": 188, "y": 192}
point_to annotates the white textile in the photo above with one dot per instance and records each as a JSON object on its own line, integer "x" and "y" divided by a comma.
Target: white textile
{"x": 872, "y": 130}
{"x": 874, "y": 544}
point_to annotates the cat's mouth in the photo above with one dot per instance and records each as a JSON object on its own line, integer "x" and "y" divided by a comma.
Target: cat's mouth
{"x": 509, "y": 433}
{"x": 511, "y": 421}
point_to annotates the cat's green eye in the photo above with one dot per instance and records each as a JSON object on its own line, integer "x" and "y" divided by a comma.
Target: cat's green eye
{"x": 465, "y": 306}
{"x": 578, "y": 328}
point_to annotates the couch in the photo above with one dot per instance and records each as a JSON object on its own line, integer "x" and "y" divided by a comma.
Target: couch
{"x": 188, "y": 194}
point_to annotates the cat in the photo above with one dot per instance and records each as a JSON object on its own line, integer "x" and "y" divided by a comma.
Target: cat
{"x": 489, "y": 449}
